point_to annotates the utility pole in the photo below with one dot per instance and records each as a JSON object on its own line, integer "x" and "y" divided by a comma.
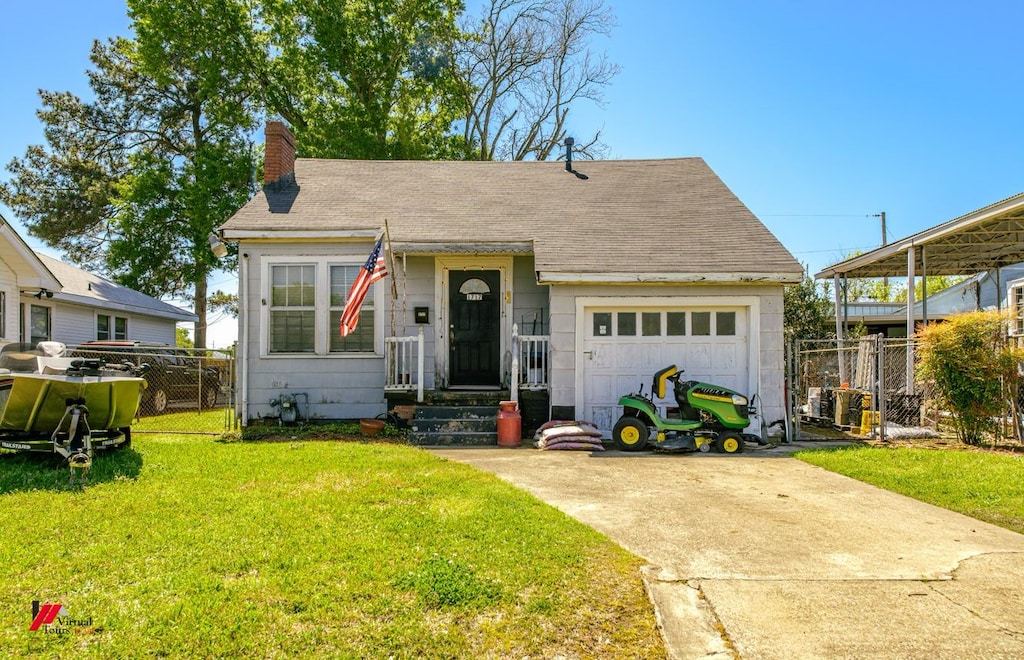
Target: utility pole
{"x": 885, "y": 280}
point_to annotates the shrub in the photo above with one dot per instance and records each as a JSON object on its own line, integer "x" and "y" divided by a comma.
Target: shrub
{"x": 971, "y": 366}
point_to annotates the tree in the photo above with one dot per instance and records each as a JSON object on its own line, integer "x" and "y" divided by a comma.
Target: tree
{"x": 132, "y": 183}
{"x": 360, "y": 78}
{"x": 524, "y": 66}
{"x": 971, "y": 365}
{"x": 182, "y": 338}
{"x": 893, "y": 289}
{"x": 807, "y": 312}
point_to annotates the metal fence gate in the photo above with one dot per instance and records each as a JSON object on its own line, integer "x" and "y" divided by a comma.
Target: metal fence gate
{"x": 858, "y": 385}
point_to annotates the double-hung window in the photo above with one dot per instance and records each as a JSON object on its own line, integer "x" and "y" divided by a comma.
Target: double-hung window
{"x": 293, "y": 308}
{"x": 305, "y": 304}
{"x": 1017, "y": 308}
{"x": 361, "y": 340}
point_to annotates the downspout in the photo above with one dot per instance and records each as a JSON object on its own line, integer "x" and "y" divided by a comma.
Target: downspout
{"x": 243, "y": 350}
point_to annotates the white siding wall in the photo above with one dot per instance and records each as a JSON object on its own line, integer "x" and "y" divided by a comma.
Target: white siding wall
{"x": 76, "y": 324}
{"x": 563, "y": 335}
{"x": 337, "y": 386}
{"x": 9, "y": 285}
{"x": 415, "y": 277}
{"x": 530, "y": 304}
{"x": 349, "y": 387}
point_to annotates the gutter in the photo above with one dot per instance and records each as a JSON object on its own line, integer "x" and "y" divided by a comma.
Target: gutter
{"x": 557, "y": 277}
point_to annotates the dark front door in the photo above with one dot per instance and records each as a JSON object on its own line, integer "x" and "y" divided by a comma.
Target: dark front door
{"x": 474, "y": 327}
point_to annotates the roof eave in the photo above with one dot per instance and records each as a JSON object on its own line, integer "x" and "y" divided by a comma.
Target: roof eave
{"x": 924, "y": 237}
{"x": 561, "y": 277}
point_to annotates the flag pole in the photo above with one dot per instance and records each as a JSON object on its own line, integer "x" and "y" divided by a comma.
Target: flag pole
{"x": 394, "y": 276}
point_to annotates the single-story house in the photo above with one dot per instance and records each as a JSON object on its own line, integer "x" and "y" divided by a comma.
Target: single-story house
{"x": 42, "y": 298}
{"x": 606, "y": 271}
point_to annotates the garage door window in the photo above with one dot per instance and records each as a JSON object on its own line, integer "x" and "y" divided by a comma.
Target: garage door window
{"x": 676, "y": 325}
{"x": 651, "y": 324}
{"x": 627, "y": 324}
{"x": 701, "y": 323}
{"x": 725, "y": 324}
{"x": 602, "y": 324}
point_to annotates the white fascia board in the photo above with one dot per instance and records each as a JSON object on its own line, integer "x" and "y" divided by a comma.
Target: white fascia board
{"x": 298, "y": 235}
{"x": 47, "y": 279}
{"x": 553, "y": 277}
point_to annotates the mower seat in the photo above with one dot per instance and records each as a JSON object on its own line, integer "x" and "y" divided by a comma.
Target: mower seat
{"x": 658, "y": 386}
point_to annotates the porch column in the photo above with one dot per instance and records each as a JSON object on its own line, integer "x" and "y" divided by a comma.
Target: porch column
{"x": 910, "y": 319}
{"x": 839, "y": 330}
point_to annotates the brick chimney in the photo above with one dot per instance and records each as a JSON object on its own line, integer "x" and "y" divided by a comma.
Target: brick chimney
{"x": 279, "y": 157}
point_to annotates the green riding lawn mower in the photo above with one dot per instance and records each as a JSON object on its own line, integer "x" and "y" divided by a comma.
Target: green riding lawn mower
{"x": 707, "y": 416}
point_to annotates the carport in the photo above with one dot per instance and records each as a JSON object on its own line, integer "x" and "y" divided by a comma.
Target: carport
{"x": 984, "y": 240}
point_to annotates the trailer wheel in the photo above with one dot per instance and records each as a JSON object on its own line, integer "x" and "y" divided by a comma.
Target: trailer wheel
{"x": 630, "y": 434}
{"x": 729, "y": 442}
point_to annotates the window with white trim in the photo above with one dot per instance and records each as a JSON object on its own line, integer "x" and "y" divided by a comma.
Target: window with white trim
{"x": 111, "y": 327}
{"x": 293, "y": 308}
{"x": 1017, "y": 309}
{"x": 304, "y": 306}
{"x": 360, "y": 340}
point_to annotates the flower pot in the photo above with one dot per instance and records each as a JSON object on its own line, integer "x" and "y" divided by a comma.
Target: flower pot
{"x": 371, "y": 426}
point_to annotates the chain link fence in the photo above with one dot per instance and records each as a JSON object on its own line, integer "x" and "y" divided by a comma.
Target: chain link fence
{"x": 865, "y": 386}
{"x": 868, "y": 386}
{"x": 188, "y": 390}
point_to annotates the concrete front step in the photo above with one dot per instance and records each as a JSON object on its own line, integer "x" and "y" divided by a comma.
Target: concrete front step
{"x": 453, "y": 438}
{"x": 454, "y": 425}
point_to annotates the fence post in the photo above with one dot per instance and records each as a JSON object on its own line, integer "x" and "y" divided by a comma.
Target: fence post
{"x": 880, "y": 343}
{"x": 790, "y": 393}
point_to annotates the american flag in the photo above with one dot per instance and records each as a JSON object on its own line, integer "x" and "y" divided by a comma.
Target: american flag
{"x": 374, "y": 269}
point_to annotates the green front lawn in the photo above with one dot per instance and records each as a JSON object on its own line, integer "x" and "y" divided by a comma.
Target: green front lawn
{"x": 988, "y": 486}
{"x": 183, "y": 546}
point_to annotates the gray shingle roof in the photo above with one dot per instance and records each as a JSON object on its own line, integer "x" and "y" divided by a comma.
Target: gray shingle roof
{"x": 82, "y": 287}
{"x": 631, "y": 220}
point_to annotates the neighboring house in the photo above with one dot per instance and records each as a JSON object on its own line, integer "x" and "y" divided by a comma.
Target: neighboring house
{"x": 989, "y": 290}
{"x": 42, "y": 298}
{"x": 89, "y": 307}
{"x": 613, "y": 272}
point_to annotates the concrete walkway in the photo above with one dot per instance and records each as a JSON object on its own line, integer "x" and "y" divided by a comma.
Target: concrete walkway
{"x": 762, "y": 556}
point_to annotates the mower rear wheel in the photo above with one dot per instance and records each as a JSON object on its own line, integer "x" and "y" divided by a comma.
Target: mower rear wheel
{"x": 630, "y": 434}
{"x": 729, "y": 442}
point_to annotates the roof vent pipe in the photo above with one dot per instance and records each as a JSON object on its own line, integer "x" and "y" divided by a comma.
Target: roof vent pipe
{"x": 568, "y": 153}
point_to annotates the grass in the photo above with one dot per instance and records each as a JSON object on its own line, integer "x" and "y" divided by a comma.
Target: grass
{"x": 185, "y": 546}
{"x": 988, "y": 486}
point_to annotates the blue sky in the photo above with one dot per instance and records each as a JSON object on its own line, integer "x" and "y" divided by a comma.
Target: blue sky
{"x": 818, "y": 114}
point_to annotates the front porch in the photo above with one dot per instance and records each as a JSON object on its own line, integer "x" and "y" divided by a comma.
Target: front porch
{"x": 466, "y": 415}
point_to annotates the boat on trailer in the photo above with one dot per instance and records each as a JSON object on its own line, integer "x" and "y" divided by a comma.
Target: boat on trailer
{"x": 65, "y": 406}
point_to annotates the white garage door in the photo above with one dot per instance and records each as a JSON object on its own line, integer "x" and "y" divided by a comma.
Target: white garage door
{"x": 624, "y": 346}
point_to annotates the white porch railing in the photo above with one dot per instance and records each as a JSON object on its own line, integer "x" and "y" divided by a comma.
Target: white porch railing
{"x": 531, "y": 362}
{"x": 403, "y": 364}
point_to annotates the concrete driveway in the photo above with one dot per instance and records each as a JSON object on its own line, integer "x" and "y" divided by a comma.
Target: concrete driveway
{"x": 763, "y": 556}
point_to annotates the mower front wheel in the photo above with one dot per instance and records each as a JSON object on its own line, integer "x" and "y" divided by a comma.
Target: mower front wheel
{"x": 729, "y": 442}
{"x": 630, "y": 434}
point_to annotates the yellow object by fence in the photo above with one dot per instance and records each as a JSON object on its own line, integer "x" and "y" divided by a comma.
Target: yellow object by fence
{"x": 868, "y": 419}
